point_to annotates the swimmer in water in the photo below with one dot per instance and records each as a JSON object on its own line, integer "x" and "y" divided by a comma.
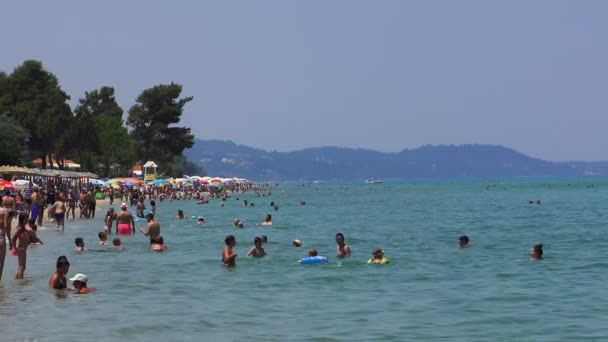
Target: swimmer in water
{"x": 296, "y": 243}
{"x": 58, "y": 280}
{"x": 103, "y": 238}
{"x": 79, "y": 242}
{"x": 200, "y": 221}
{"x": 342, "y": 250}
{"x": 257, "y": 251}
{"x": 237, "y": 223}
{"x": 80, "y": 284}
{"x": 117, "y": 244}
{"x": 264, "y": 239}
{"x": 158, "y": 244}
{"x": 312, "y": 252}
{"x": 180, "y": 215}
{"x": 229, "y": 257}
{"x": 463, "y": 241}
{"x": 378, "y": 257}
{"x": 537, "y": 252}
{"x": 267, "y": 221}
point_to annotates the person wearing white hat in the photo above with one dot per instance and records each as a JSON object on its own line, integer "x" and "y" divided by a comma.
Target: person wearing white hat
{"x": 79, "y": 281}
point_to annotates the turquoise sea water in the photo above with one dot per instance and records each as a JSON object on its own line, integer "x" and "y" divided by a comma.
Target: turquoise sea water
{"x": 431, "y": 291}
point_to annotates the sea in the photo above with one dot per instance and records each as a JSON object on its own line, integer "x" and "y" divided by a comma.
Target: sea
{"x": 431, "y": 290}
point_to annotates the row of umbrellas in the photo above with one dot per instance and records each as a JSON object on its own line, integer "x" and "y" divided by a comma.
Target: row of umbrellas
{"x": 116, "y": 183}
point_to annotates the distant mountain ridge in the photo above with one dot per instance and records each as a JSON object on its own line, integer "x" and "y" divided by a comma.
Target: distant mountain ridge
{"x": 225, "y": 158}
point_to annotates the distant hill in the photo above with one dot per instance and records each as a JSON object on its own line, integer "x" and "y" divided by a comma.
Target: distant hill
{"x": 225, "y": 158}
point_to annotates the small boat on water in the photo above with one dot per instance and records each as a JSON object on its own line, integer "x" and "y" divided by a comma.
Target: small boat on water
{"x": 373, "y": 181}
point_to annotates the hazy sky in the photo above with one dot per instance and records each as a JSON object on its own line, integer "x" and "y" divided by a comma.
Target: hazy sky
{"x": 386, "y": 75}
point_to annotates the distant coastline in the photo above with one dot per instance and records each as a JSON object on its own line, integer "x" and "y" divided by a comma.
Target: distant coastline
{"x": 425, "y": 162}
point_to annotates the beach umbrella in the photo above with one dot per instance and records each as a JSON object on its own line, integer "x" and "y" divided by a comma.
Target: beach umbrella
{"x": 6, "y": 185}
{"x": 21, "y": 183}
{"x": 128, "y": 183}
{"x": 216, "y": 180}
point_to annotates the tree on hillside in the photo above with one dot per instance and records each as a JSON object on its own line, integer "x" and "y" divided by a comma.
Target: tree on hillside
{"x": 151, "y": 120}
{"x": 93, "y": 106}
{"x": 32, "y": 96}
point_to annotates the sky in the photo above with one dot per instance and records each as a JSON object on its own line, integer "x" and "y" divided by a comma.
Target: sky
{"x": 384, "y": 75}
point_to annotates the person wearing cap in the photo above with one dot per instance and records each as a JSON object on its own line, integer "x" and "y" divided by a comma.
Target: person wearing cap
{"x": 125, "y": 224}
{"x": 378, "y": 257}
{"x": 296, "y": 243}
{"x": 79, "y": 281}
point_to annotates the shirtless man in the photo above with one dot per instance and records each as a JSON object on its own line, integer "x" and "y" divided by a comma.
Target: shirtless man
{"x": 139, "y": 209}
{"x": 59, "y": 210}
{"x": 153, "y": 229}
{"x": 343, "y": 250}
{"x": 125, "y": 224}
{"x": 40, "y": 205}
{"x": 71, "y": 205}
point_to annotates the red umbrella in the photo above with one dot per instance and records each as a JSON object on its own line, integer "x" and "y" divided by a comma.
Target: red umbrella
{"x": 6, "y": 185}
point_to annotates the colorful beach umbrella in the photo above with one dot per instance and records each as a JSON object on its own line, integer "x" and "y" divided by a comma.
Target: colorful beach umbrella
{"x": 6, "y": 185}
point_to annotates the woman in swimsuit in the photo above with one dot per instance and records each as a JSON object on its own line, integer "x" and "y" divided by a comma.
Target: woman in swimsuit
{"x": 229, "y": 257}
{"x": 19, "y": 202}
{"x": 21, "y": 241}
{"x": 5, "y": 234}
{"x": 58, "y": 280}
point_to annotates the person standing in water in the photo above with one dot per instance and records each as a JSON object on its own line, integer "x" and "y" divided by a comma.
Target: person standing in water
{"x": 125, "y": 224}
{"x": 342, "y": 250}
{"x": 229, "y": 257}
{"x": 21, "y": 240}
{"x": 59, "y": 209}
{"x": 140, "y": 208}
{"x": 58, "y": 280}
{"x": 5, "y": 234}
{"x": 258, "y": 250}
{"x": 153, "y": 229}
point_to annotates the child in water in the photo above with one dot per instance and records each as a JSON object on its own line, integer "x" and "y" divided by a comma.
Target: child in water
{"x": 200, "y": 220}
{"x": 180, "y": 215}
{"x": 117, "y": 244}
{"x": 103, "y": 238}
{"x": 158, "y": 244}
{"x": 79, "y": 242}
{"x": 228, "y": 257}
{"x": 378, "y": 257}
{"x": 257, "y": 251}
{"x": 80, "y": 284}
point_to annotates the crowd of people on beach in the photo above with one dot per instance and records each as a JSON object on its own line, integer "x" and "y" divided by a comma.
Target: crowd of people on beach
{"x": 28, "y": 206}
